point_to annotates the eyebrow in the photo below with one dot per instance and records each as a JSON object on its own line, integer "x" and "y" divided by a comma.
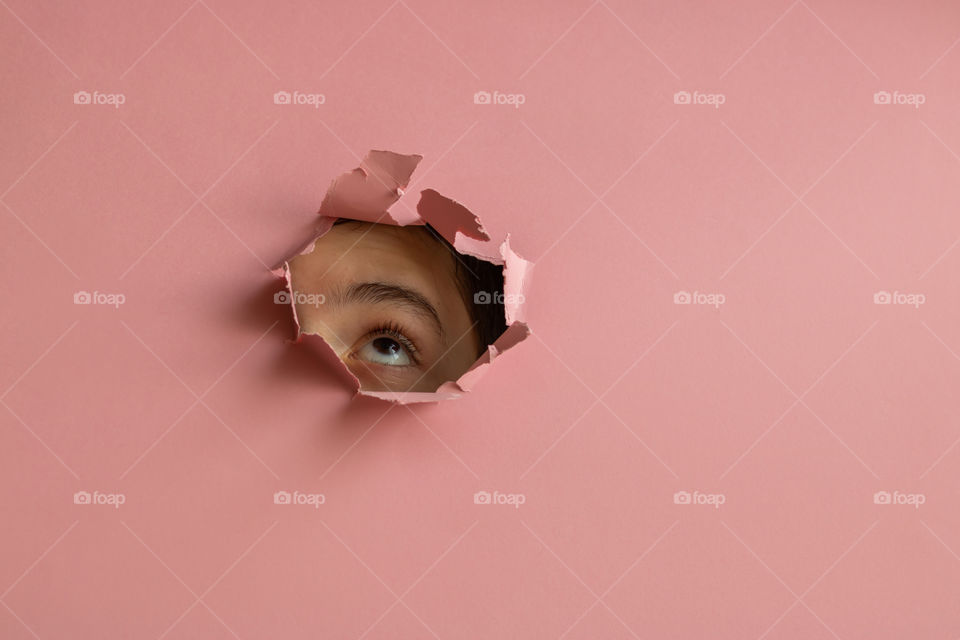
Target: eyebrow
{"x": 380, "y": 292}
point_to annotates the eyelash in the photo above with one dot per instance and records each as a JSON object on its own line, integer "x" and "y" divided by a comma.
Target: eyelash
{"x": 395, "y": 331}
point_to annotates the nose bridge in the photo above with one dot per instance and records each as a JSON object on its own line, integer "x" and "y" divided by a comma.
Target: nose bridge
{"x": 321, "y": 320}
{"x": 331, "y": 338}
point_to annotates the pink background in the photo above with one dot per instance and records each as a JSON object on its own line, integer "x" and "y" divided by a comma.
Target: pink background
{"x": 797, "y": 399}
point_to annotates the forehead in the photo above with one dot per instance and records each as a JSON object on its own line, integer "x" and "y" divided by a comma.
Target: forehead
{"x": 411, "y": 241}
{"x": 363, "y": 251}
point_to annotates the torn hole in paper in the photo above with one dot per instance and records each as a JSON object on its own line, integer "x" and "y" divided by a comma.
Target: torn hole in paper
{"x": 413, "y": 306}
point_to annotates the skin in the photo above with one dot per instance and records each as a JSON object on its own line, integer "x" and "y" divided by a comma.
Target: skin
{"x": 377, "y": 277}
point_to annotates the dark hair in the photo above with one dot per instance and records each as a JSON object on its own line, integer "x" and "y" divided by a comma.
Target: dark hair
{"x": 481, "y": 286}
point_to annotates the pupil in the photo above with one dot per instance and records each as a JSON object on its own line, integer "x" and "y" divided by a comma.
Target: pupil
{"x": 386, "y": 346}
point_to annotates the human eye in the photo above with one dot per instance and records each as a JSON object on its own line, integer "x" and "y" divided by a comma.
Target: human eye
{"x": 387, "y": 345}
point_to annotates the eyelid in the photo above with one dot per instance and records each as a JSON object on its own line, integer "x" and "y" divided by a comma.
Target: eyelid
{"x": 395, "y": 331}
